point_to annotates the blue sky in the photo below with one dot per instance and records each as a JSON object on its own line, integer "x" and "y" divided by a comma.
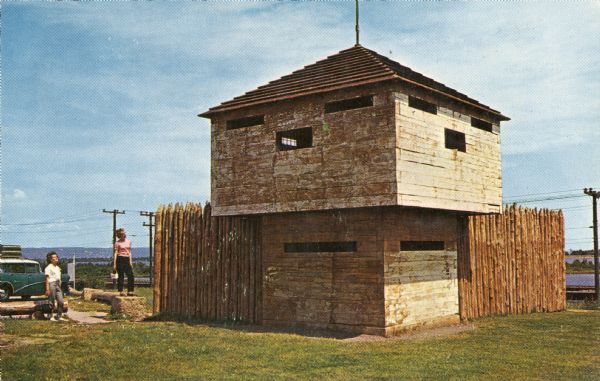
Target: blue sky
{"x": 99, "y": 99}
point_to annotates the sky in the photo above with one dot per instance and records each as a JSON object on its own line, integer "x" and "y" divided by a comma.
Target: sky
{"x": 99, "y": 100}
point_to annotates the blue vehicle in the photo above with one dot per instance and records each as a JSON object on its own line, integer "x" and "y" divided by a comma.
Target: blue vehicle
{"x": 22, "y": 277}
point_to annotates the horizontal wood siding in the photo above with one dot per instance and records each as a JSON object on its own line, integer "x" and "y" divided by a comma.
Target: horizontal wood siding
{"x": 512, "y": 263}
{"x": 432, "y": 176}
{"x": 351, "y": 162}
{"x": 341, "y": 290}
{"x": 421, "y": 287}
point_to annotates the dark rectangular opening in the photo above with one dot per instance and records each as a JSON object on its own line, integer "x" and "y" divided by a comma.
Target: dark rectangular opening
{"x": 422, "y": 105}
{"x": 294, "y": 139}
{"x": 245, "y": 122}
{"x": 349, "y": 104}
{"x": 421, "y": 245}
{"x": 455, "y": 140}
{"x": 311, "y": 247}
{"x": 481, "y": 124}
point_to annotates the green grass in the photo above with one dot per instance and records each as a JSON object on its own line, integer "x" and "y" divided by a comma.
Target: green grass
{"x": 147, "y": 293}
{"x": 78, "y": 304}
{"x": 537, "y": 346}
{"x": 578, "y": 267}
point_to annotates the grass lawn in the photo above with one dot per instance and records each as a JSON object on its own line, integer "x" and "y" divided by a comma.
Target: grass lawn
{"x": 538, "y": 346}
{"x": 578, "y": 267}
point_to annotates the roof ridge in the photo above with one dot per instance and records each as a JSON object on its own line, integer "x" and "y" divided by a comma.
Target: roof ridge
{"x": 351, "y": 67}
{"x": 376, "y": 58}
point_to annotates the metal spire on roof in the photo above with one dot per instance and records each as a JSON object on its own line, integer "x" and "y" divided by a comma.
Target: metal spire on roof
{"x": 357, "y": 40}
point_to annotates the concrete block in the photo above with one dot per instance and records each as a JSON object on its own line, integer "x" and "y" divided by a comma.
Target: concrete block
{"x": 132, "y": 307}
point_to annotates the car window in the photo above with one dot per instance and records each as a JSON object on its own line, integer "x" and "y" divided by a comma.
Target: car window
{"x": 32, "y": 268}
{"x": 8, "y": 268}
{"x": 18, "y": 268}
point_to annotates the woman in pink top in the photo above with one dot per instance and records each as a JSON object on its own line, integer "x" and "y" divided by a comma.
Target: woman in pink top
{"x": 122, "y": 262}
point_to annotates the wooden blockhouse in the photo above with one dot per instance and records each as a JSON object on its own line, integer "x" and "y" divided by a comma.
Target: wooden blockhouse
{"x": 362, "y": 171}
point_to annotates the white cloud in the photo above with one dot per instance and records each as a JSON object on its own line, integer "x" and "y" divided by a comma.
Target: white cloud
{"x": 18, "y": 194}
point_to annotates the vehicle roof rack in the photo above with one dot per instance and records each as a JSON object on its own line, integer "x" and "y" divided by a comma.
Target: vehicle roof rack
{"x": 10, "y": 251}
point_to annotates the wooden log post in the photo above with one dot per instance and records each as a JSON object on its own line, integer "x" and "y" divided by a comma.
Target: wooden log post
{"x": 156, "y": 289}
{"x": 28, "y": 307}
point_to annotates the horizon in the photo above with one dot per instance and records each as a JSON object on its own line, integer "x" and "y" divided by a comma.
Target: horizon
{"x": 79, "y": 247}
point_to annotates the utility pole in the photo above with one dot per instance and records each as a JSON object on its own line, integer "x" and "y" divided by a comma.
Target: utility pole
{"x": 150, "y": 225}
{"x": 114, "y": 212}
{"x": 595, "y": 196}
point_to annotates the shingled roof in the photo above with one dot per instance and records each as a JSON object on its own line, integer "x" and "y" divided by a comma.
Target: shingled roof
{"x": 351, "y": 67}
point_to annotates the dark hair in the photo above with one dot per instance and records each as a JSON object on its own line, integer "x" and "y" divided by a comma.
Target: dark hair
{"x": 119, "y": 231}
{"x": 49, "y": 255}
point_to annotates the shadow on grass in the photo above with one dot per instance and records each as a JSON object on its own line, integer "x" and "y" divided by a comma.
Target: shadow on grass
{"x": 242, "y": 326}
{"x": 583, "y": 305}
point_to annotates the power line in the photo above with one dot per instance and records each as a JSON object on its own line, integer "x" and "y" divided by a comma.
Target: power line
{"x": 76, "y": 233}
{"x": 59, "y": 221}
{"x": 137, "y": 211}
{"x": 544, "y": 193}
{"x": 575, "y": 207}
{"x": 547, "y": 199}
{"x": 71, "y": 230}
{"x": 541, "y": 194}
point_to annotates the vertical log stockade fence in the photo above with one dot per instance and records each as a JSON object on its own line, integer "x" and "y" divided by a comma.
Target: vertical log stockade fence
{"x": 207, "y": 267}
{"x": 210, "y": 267}
{"x": 512, "y": 263}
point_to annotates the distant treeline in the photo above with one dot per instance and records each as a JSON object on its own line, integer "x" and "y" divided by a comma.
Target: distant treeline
{"x": 579, "y": 252}
{"x": 102, "y": 259}
{"x": 80, "y": 252}
{"x": 580, "y": 267}
{"x": 96, "y": 275}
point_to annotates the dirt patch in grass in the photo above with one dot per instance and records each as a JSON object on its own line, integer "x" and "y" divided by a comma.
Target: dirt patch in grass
{"x": 418, "y": 334}
{"x": 88, "y": 306}
{"x": 421, "y": 333}
{"x": 12, "y": 341}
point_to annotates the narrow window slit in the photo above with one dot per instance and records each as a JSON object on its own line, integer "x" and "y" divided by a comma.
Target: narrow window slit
{"x": 245, "y": 122}
{"x": 349, "y": 104}
{"x": 481, "y": 124}
{"x": 316, "y": 247}
{"x": 422, "y": 105}
{"x": 421, "y": 245}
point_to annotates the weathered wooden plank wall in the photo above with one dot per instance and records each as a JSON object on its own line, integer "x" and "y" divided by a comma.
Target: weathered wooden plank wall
{"x": 511, "y": 263}
{"x": 207, "y": 267}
